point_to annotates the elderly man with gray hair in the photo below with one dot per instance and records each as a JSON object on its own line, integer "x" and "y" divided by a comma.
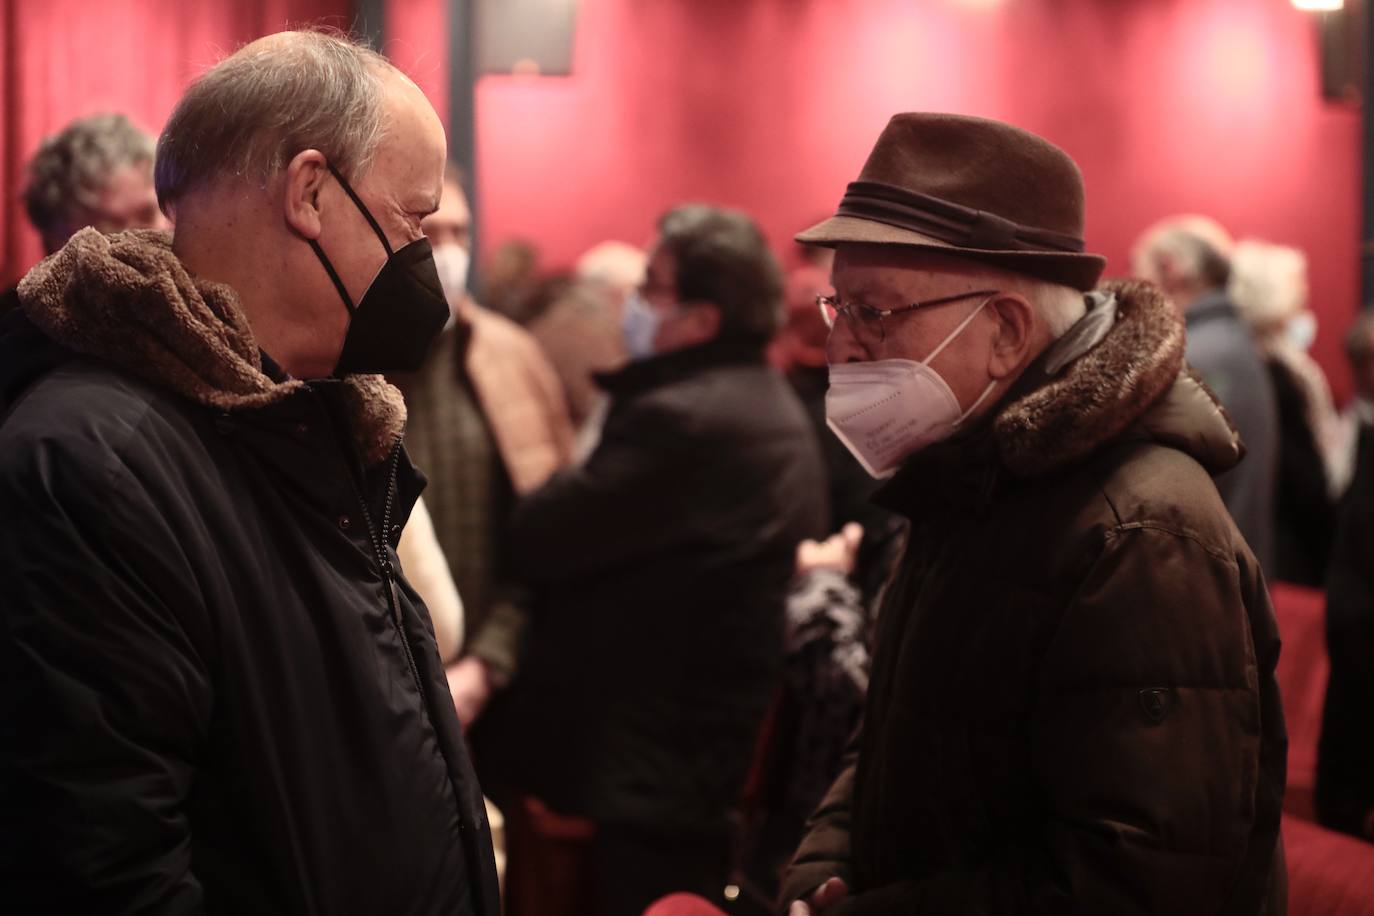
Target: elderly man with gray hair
{"x": 97, "y": 171}
{"x": 1072, "y": 706}
{"x": 218, "y": 691}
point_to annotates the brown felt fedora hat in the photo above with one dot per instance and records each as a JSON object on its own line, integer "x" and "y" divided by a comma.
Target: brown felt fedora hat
{"x": 971, "y": 187}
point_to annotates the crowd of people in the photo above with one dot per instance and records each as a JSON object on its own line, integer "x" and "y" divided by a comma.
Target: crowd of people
{"x": 928, "y": 576}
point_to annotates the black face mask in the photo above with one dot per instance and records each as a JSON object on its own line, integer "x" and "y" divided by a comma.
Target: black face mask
{"x": 399, "y": 316}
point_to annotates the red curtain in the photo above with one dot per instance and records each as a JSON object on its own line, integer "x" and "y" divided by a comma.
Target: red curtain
{"x": 62, "y": 59}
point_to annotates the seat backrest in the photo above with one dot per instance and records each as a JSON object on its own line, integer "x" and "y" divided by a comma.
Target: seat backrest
{"x": 1302, "y": 673}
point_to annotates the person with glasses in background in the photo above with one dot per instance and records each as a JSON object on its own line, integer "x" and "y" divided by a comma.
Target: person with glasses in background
{"x": 1072, "y": 705}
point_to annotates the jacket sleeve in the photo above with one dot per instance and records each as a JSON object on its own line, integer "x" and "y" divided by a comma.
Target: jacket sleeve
{"x": 824, "y": 850}
{"x": 624, "y": 502}
{"x": 1146, "y": 747}
{"x": 104, "y": 695}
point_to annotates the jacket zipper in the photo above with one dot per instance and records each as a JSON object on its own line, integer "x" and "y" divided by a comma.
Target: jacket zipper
{"x": 384, "y": 561}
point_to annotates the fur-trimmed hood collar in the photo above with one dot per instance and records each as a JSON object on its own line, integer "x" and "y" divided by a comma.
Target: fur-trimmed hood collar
{"x": 127, "y": 299}
{"x": 1133, "y": 376}
{"x": 1119, "y": 373}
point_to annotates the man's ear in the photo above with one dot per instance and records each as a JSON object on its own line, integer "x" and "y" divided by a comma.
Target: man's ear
{"x": 301, "y": 181}
{"x": 1012, "y": 344}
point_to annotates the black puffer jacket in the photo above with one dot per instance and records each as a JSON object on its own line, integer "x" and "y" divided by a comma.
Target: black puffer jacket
{"x": 661, "y": 568}
{"x": 1073, "y": 707}
{"x": 212, "y": 699}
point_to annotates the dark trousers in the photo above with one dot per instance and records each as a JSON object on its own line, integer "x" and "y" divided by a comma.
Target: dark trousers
{"x": 634, "y": 867}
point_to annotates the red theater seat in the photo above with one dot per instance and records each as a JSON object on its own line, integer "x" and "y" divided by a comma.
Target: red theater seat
{"x": 1329, "y": 873}
{"x": 549, "y": 870}
{"x": 1302, "y": 673}
{"x": 683, "y": 905}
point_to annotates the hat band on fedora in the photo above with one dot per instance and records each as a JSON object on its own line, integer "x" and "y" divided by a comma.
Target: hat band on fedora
{"x": 963, "y": 227}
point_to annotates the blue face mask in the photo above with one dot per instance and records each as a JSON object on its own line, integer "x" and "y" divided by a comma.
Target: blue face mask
{"x": 639, "y": 324}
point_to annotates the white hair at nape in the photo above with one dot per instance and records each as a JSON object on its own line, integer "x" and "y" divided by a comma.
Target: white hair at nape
{"x": 1268, "y": 283}
{"x": 247, "y": 116}
{"x": 1059, "y": 306}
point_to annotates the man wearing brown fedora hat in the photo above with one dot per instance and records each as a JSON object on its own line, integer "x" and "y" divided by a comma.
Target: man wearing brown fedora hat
{"x": 1072, "y": 706}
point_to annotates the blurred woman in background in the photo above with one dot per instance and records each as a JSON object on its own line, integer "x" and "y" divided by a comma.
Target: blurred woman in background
{"x": 1269, "y": 286}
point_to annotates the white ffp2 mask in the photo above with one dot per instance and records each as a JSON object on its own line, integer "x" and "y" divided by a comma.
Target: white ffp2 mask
{"x": 452, "y": 262}
{"x": 887, "y": 409}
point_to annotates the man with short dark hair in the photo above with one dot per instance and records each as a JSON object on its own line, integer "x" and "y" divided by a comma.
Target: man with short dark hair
{"x": 660, "y": 567}
{"x": 1072, "y": 705}
{"x": 218, "y": 693}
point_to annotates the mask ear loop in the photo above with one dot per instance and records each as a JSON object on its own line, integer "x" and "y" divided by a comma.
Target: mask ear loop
{"x": 319, "y": 252}
{"x": 359, "y": 204}
{"x": 950, "y": 339}
{"x": 956, "y": 332}
{"x": 974, "y": 406}
{"x": 333, "y": 275}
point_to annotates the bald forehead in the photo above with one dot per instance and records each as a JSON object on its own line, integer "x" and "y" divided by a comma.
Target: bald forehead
{"x": 408, "y": 112}
{"x": 413, "y": 149}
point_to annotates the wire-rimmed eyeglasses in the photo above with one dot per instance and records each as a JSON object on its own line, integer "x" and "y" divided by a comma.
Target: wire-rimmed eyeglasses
{"x": 868, "y": 321}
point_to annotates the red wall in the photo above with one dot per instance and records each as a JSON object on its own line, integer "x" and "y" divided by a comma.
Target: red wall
{"x": 771, "y": 105}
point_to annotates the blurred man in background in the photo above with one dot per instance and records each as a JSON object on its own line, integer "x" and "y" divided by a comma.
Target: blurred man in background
{"x": 97, "y": 171}
{"x": 510, "y": 275}
{"x": 580, "y": 327}
{"x": 488, "y": 423}
{"x": 660, "y": 566}
{"x": 1188, "y": 257}
{"x": 1269, "y": 287}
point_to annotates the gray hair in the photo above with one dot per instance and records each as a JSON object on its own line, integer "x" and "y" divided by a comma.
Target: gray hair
{"x": 1059, "y": 306}
{"x": 1198, "y": 245}
{"x": 1268, "y": 283}
{"x": 251, "y": 113}
{"x": 71, "y": 168}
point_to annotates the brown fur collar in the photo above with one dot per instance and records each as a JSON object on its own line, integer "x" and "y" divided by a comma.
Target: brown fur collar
{"x": 128, "y": 300}
{"x": 1134, "y": 377}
